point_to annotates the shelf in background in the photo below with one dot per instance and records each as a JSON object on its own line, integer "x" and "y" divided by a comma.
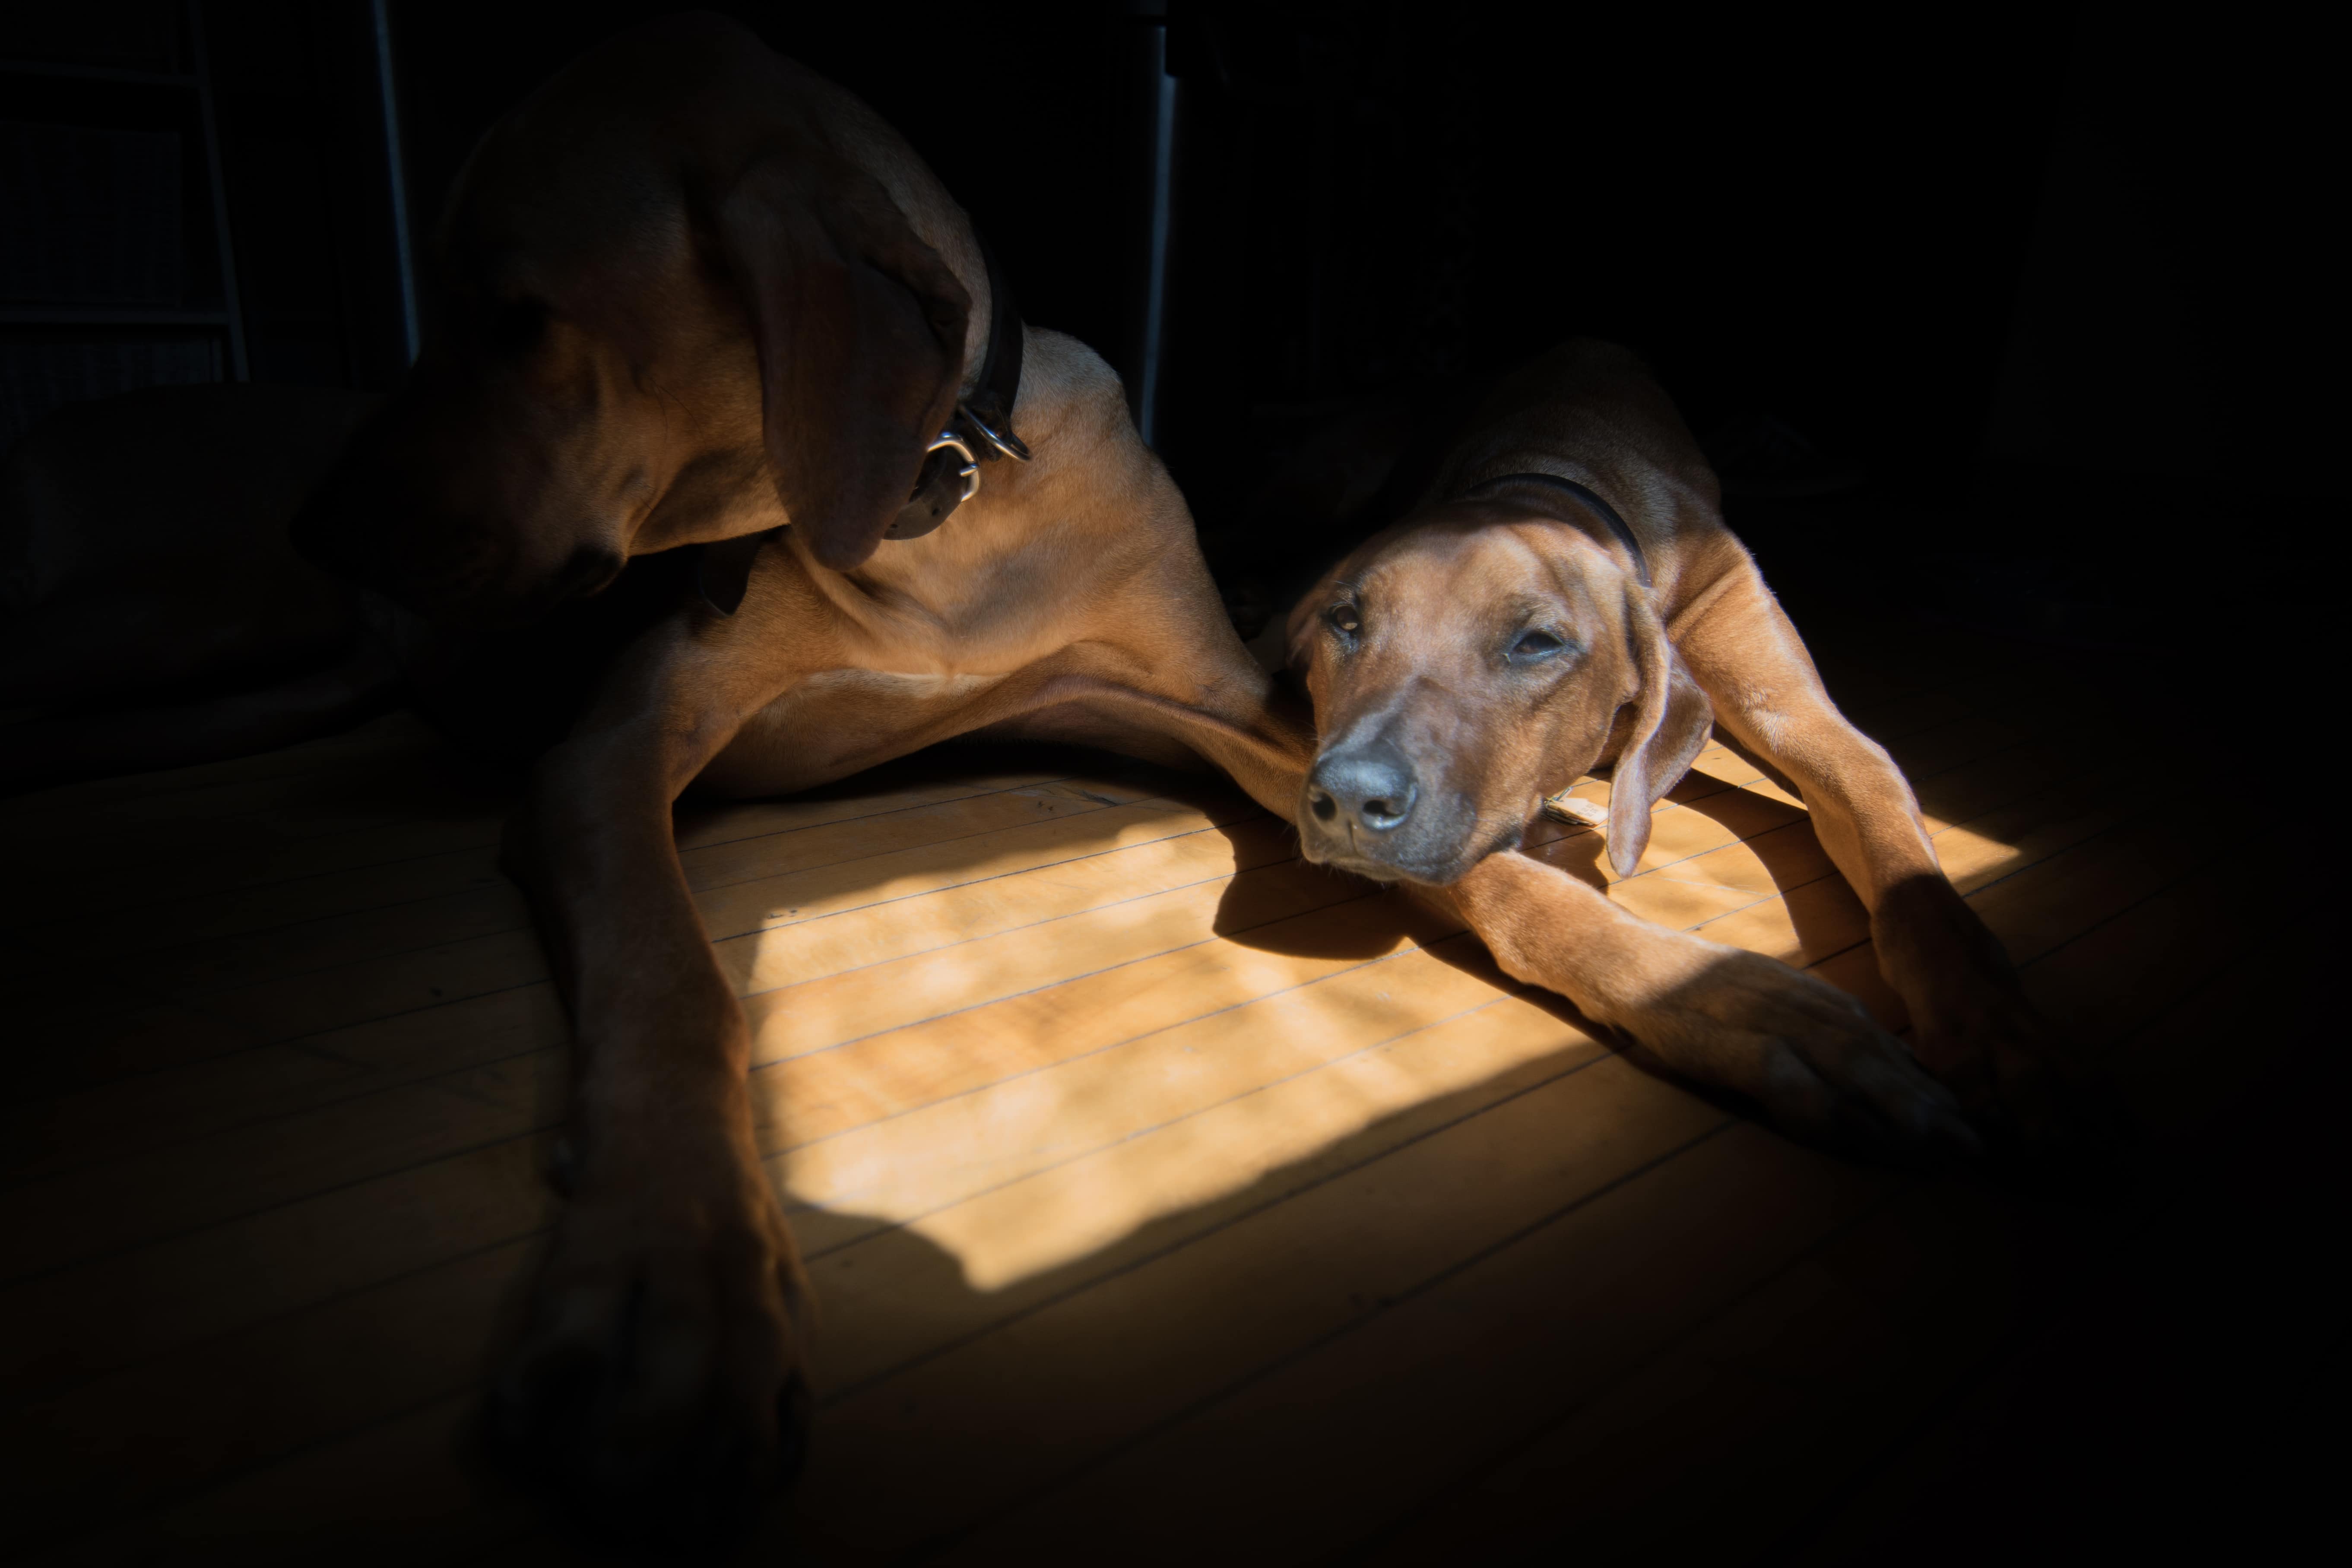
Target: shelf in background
{"x": 108, "y": 316}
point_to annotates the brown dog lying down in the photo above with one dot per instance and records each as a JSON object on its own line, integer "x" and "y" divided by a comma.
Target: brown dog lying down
{"x": 1566, "y": 595}
{"x": 687, "y": 295}
{"x": 690, "y": 294}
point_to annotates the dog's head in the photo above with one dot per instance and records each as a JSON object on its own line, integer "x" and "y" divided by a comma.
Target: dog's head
{"x": 665, "y": 307}
{"x": 1468, "y": 662}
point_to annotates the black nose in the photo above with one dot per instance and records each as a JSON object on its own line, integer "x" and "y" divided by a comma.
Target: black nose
{"x": 1373, "y": 784}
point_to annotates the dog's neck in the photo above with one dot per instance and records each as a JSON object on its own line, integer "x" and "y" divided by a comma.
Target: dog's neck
{"x": 1056, "y": 527}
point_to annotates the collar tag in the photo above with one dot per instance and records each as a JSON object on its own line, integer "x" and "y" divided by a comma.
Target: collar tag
{"x": 949, "y": 478}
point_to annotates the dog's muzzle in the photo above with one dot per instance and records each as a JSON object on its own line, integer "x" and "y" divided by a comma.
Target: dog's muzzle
{"x": 1358, "y": 810}
{"x": 1369, "y": 810}
{"x": 1368, "y": 789}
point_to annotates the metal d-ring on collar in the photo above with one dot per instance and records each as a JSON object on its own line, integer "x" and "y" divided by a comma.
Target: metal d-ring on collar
{"x": 980, "y": 429}
{"x": 1591, "y": 499}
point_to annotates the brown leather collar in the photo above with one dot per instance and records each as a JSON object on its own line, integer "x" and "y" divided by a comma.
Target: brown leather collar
{"x": 1591, "y": 499}
{"x": 980, "y": 429}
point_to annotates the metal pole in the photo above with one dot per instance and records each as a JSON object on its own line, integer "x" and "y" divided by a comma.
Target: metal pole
{"x": 224, "y": 244}
{"x": 1163, "y": 191}
{"x": 396, "y": 172}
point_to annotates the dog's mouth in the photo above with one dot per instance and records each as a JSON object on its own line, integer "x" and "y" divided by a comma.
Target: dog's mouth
{"x": 1434, "y": 870}
{"x": 1357, "y": 864}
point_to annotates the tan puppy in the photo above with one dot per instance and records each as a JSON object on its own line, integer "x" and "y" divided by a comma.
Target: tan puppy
{"x": 1566, "y": 595}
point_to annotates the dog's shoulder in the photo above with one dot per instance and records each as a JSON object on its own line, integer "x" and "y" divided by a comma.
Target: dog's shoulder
{"x": 1072, "y": 401}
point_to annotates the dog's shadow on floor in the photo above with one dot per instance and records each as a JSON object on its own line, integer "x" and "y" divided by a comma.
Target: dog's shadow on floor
{"x": 1384, "y": 920}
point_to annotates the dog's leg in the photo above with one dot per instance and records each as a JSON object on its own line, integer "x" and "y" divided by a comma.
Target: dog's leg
{"x": 1260, "y": 748}
{"x": 658, "y": 1384}
{"x": 1973, "y": 1027}
{"x": 1197, "y": 687}
{"x": 1808, "y": 1053}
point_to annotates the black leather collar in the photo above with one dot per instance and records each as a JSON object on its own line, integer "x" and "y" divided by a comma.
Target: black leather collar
{"x": 1591, "y": 499}
{"x": 980, "y": 431}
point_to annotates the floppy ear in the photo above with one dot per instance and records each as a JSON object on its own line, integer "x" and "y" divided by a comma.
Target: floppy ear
{"x": 1670, "y": 730}
{"x": 1299, "y": 631}
{"x": 860, "y": 328}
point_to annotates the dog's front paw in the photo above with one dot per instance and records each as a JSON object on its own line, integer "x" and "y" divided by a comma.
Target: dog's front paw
{"x": 2010, "y": 1072}
{"x": 1981, "y": 1037}
{"x": 657, "y": 1392}
{"x": 1807, "y": 1053}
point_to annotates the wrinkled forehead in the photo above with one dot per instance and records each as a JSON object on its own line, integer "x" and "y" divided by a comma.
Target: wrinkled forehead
{"x": 1475, "y": 559}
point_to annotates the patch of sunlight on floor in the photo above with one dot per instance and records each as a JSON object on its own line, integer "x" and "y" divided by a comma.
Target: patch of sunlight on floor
{"x": 1054, "y": 949}
{"x": 1040, "y": 1224}
{"x": 1720, "y": 764}
{"x": 1047, "y": 1168}
{"x": 1030, "y": 1070}
{"x": 1091, "y": 861}
{"x": 1960, "y": 852}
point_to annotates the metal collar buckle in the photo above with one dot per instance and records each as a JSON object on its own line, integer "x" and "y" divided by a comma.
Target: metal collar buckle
{"x": 1009, "y": 444}
{"x": 935, "y": 493}
{"x": 941, "y": 485}
{"x": 949, "y": 441}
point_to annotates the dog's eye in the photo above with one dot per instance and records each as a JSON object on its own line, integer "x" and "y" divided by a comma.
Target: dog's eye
{"x": 1533, "y": 647}
{"x": 1344, "y": 619}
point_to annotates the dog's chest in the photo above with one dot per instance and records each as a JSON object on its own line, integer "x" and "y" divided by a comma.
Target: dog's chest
{"x": 886, "y": 686}
{"x": 836, "y": 723}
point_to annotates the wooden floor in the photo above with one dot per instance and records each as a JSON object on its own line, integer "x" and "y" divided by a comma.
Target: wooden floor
{"x": 1168, "y": 1198}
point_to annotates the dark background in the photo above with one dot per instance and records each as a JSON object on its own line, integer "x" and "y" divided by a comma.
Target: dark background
{"x": 1948, "y": 249}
